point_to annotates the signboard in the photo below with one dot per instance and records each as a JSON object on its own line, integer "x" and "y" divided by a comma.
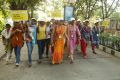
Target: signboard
{"x": 56, "y": 14}
{"x": 68, "y": 12}
{"x": 19, "y": 15}
{"x": 106, "y": 23}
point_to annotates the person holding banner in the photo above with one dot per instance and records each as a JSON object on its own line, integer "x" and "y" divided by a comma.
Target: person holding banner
{"x": 72, "y": 32}
{"x": 48, "y": 39}
{"x": 17, "y": 41}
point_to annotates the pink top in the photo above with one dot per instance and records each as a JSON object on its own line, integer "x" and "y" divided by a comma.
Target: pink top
{"x": 73, "y": 31}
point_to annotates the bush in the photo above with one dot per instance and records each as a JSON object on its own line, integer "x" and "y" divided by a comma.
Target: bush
{"x": 110, "y": 41}
{"x": 1, "y": 26}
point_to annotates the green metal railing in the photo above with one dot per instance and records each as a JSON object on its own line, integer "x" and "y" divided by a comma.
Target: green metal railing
{"x": 112, "y": 42}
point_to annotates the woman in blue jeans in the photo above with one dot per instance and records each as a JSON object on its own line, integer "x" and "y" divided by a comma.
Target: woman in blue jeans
{"x": 17, "y": 41}
{"x": 30, "y": 34}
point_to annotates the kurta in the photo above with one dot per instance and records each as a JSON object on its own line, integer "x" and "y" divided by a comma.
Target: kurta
{"x": 72, "y": 32}
{"x": 17, "y": 37}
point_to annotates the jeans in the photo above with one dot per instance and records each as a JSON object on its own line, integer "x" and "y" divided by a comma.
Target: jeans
{"x": 17, "y": 53}
{"x": 30, "y": 49}
{"x": 47, "y": 45}
{"x": 41, "y": 47}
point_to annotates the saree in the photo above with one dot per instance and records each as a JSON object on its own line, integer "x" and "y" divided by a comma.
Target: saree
{"x": 57, "y": 56}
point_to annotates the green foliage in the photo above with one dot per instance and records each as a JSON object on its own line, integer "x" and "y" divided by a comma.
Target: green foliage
{"x": 23, "y": 4}
{"x": 89, "y": 8}
{"x": 110, "y": 41}
{"x": 4, "y": 8}
{"x": 107, "y": 8}
{"x": 85, "y": 8}
{"x": 29, "y": 5}
{"x": 1, "y": 26}
{"x": 115, "y": 16}
{"x": 105, "y": 35}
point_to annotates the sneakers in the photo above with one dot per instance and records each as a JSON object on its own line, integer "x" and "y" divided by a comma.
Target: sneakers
{"x": 17, "y": 64}
{"x": 29, "y": 65}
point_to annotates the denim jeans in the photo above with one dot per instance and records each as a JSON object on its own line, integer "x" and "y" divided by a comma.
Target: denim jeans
{"x": 17, "y": 50}
{"x": 47, "y": 46}
{"x": 41, "y": 47}
{"x": 30, "y": 49}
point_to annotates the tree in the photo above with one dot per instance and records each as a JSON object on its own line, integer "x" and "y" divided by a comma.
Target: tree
{"x": 115, "y": 16}
{"x": 4, "y": 8}
{"x": 107, "y": 9}
{"x": 32, "y": 5}
{"x": 85, "y": 8}
{"x": 29, "y": 5}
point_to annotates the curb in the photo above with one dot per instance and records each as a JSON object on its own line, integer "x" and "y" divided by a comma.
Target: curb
{"x": 109, "y": 51}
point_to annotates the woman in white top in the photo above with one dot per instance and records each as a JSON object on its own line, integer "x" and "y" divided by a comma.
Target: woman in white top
{"x": 48, "y": 38}
{"x": 30, "y": 31}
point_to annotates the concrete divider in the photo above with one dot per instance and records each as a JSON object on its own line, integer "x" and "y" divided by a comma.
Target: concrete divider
{"x": 109, "y": 51}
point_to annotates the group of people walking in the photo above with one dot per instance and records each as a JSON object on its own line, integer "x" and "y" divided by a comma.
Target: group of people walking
{"x": 53, "y": 36}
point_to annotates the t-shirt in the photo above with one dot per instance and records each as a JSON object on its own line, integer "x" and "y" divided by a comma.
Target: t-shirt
{"x": 41, "y": 34}
{"x": 31, "y": 31}
{"x": 48, "y": 31}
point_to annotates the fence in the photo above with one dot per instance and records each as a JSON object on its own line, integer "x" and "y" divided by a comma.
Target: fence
{"x": 112, "y": 42}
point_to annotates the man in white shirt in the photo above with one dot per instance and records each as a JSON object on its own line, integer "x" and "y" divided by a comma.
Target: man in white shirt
{"x": 6, "y": 38}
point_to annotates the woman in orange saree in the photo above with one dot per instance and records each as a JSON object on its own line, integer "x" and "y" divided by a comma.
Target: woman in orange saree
{"x": 58, "y": 42}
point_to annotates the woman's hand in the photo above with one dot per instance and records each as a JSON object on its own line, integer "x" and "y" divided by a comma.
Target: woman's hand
{"x": 79, "y": 37}
{"x": 18, "y": 30}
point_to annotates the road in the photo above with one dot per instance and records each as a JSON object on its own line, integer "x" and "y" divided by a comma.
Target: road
{"x": 101, "y": 66}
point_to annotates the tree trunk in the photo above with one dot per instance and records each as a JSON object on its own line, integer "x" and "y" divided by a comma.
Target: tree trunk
{"x": 32, "y": 11}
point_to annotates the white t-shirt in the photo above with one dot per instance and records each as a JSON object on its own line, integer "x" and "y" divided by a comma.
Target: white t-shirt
{"x": 48, "y": 32}
{"x": 31, "y": 30}
{"x": 5, "y": 34}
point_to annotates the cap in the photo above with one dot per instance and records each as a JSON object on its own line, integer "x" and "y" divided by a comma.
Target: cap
{"x": 96, "y": 22}
{"x": 78, "y": 20}
{"x": 86, "y": 20}
{"x": 71, "y": 19}
{"x": 41, "y": 19}
{"x": 8, "y": 25}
